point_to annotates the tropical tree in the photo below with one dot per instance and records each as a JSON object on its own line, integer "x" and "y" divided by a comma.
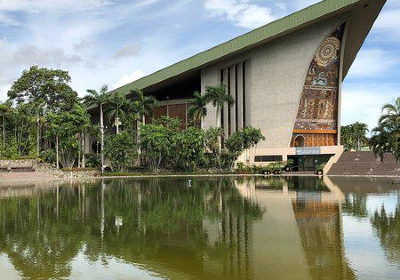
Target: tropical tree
{"x": 98, "y": 99}
{"x": 240, "y": 141}
{"x": 353, "y": 136}
{"x": 359, "y": 133}
{"x": 212, "y": 141}
{"x": 143, "y": 106}
{"x": 65, "y": 126}
{"x": 44, "y": 89}
{"x": 120, "y": 150}
{"x": 197, "y": 110}
{"x": 218, "y": 96}
{"x": 188, "y": 148}
{"x": 386, "y": 136}
{"x": 114, "y": 109}
{"x": 5, "y": 109}
{"x": 346, "y": 137}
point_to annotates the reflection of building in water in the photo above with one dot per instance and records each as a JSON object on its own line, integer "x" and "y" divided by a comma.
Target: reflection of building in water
{"x": 305, "y": 215}
{"x": 320, "y": 228}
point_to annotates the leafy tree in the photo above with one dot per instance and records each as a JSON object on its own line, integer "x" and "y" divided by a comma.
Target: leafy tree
{"x": 386, "y": 136}
{"x": 44, "y": 89}
{"x": 98, "y": 99}
{"x": 240, "y": 141}
{"x": 218, "y": 96}
{"x": 143, "y": 106}
{"x": 156, "y": 143}
{"x": 212, "y": 141}
{"x": 120, "y": 150}
{"x": 197, "y": 110}
{"x": 353, "y": 136}
{"x": 188, "y": 148}
{"x": 65, "y": 127}
{"x": 5, "y": 110}
{"x": 115, "y": 107}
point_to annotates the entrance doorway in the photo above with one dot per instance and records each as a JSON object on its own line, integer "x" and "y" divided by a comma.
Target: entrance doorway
{"x": 308, "y": 163}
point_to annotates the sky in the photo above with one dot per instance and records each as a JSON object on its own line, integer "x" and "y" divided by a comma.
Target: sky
{"x": 114, "y": 42}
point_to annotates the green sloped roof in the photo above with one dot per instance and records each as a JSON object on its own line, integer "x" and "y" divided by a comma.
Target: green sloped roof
{"x": 281, "y": 26}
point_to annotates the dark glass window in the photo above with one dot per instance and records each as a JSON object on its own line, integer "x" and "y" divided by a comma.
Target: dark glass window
{"x": 268, "y": 158}
{"x": 244, "y": 92}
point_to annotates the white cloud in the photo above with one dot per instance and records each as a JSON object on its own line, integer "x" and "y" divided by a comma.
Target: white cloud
{"x": 126, "y": 79}
{"x": 127, "y": 50}
{"x": 6, "y": 20}
{"x": 373, "y": 62}
{"x": 363, "y": 102}
{"x": 386, "y": 25}
{"x": 281, "y": 5}
{"x": 241, "y": 12}
{"x": 42, "y": 5}
{"x": 29, "y": 55}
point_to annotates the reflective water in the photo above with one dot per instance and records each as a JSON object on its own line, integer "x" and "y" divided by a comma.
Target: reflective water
{"x": 198, "y": 228}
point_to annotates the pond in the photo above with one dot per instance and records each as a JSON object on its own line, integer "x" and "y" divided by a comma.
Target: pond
{"x": 201, "y": 228}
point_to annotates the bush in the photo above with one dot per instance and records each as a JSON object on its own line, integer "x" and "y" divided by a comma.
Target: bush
{"x": 120, "y": 149}
{"x": 188, "y": 148}
{"x": 93, "y": 160}
{"x": 48, "y": 156}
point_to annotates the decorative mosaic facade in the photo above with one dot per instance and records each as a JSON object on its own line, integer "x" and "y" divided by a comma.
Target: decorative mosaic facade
{"x": 317, "y": 117}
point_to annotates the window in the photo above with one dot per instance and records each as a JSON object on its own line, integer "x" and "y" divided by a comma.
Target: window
{"x": 268, "y": 158}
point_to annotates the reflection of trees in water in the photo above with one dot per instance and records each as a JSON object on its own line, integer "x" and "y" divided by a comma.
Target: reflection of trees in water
{"x": 147, "y": 221}
{"x": 387, "y": 228}
{"x": 355, "y": 204}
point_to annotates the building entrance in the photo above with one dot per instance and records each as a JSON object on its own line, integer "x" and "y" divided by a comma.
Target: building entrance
{"x": 309, "y": 162}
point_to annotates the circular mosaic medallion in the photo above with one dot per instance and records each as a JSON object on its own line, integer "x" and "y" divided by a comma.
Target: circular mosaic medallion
{"x": 327, "y": 52}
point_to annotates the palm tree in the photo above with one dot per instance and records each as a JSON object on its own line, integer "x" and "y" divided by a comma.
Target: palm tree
{"x": 380, "y": 141}
{"x": 115, "y": 108}
{"x": 386, "y": 137}
{"x": 197, "y": 110}
{"x": 359, "y": 131}
{"x": 218, "y": 96}
{"x": 99, "y": 99}
{"x": 346, "y": 137}
{"x": 143, "y": 106}
{"x": 391, "y": 113}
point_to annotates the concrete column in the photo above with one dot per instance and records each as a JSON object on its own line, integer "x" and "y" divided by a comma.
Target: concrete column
{"x": 226, "y": 108}
{"x": 239, "y": 101}
{"x": 233, "y": 94}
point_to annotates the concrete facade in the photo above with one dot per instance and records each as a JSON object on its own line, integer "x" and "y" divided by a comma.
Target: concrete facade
{"x": 275, "y": 75}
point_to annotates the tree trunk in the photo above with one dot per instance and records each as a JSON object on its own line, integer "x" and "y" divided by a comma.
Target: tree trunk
{"x": 83, "y": 165}
{"x": 102, "y": 137}
{"x": 4, "y": 132}
{"x": 38, "y": 135}
{"x": 79, "y": 151}
{"x": 57, "y": 158}
{"x": 218, "y": 125}
{"x": 139, "y": 151}
{"x": 117, "y": 122}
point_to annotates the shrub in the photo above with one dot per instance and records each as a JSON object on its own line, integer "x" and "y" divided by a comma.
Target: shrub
{"x": 188, "y": 148}
{"x": 120, "y": 149}
{"x": 93, "y": 160}
{"x": 48, "y": 156}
